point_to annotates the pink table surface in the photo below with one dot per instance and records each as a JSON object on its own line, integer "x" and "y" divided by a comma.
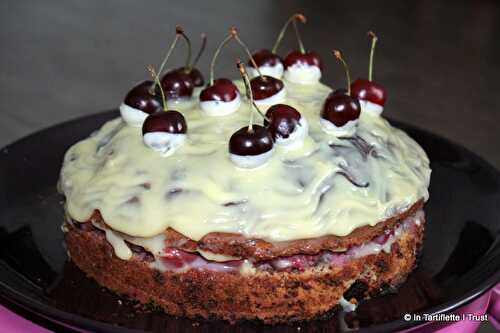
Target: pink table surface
{"x": 488, "y": 303}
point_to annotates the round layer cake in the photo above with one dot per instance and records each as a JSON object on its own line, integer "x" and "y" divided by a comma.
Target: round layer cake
{"x": 330, "y": 220}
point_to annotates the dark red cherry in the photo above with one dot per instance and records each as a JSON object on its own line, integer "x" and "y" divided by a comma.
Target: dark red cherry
{"x": 310, "y": 58}
{"x": 283, "y": 119}
{"x": 246, "y": 142}
{"x": 265, "y": 57}
{"x": 195, "y": 75}
{"x": 177, "y": 84}
{"x": 221, "y": 90}
{"x": 165, "y": 121}
{"x": 369, "y": 91}
{"x": 143, "y": 97}
{"x": 340, "y": 108}
{"x": 265, "y": 86}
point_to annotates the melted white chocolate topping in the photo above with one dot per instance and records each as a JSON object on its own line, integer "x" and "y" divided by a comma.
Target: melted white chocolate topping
{"x": 327, "y": 186}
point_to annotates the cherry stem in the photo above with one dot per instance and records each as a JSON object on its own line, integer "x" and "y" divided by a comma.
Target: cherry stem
{"x": 248, "y": 92}
{"x": 180, "y": 31}
{"x": 172, "y": 46}
{"x": 216, "y": 54}
{"x": 202, "y": 49}
{"x": 293, "y": 19}
{"x": 252, "y": 60}
{"x": 372, "y": 51}
{"x": 338, "y": 55}
{"x": 154, "y": 75}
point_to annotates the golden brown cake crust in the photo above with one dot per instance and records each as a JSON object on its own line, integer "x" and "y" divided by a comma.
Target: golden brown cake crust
{"x": 272, "y": 297}
{"x": 235, "y": 245}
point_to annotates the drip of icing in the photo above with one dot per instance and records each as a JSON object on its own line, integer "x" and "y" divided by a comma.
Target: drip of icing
{"x": 346, "y": 305}
{"x": 122, "y": 250}
{"x": 295, "y": 195}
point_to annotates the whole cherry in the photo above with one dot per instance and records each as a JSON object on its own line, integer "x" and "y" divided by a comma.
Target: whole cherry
{"x": 221, "y": 96}
{"x": 251, "y": 141}
{"x": 170, "y": 121}
{"x": 372, "y": 96}
{"x": 190, "y": 69}
{"x": 302, "y": 66}
{"x": 268, "y": 63}
{"x": 286, "y": 124}
{"x": 140, "y": 101}
{"x": 265, "y": 89}
{"x": 165, "y": 130}
{"x": 340, "y": 112}
{"x": 144, "y": 98}
{"x": 177, "y": 84}
{"x": 250, "y": 146}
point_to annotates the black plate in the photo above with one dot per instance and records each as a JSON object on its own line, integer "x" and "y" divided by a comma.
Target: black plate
{"x": 461, "y": 257}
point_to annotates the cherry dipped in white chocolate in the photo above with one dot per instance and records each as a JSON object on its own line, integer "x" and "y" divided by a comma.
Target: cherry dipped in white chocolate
{"x": 287, "y": 126}
{"x": 340, "y": 113}
{"x": 267, "y": 90}
{"x": 301, "y": 66}
{"x": 221, "y": 96}
{"x": 269, "y": 64}
{"x": 164, "y": 131}
{"x": 371, "y": 95}
{"x": 140, "y": 101}
{"x": 195, "y": 74}
{"x": 251, "y": 146}
{"x": 178, "y": 84}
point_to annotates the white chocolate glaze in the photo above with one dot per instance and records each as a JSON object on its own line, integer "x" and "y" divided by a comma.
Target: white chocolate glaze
{"x": 371, "y": 108}
{"x": 221, "y": 108}
{"x": 277, "y": 98}
{"x": 302, "y": 193}
{"x": 132, "y": 116}
{"x": 303, "y": 73}
{"x": 275, "y": 71}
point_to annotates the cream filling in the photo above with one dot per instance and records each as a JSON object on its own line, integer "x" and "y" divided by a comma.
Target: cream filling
{"x": 132, "y": 116}
{"x": 216, "y": 257}
{"x": 275, "y": 71}
{"x": 303, "y": 73}
{"x": 220, "y": 108}
{"x": 346, "y": 130}
{"x": 371, "y": 108}
{"x": 296, "y": 194}
{"x": 277, "y": 98}
{"x": 221, "y": 263}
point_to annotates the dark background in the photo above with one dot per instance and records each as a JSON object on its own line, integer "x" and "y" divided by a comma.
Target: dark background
{"x": 439, "y": 60}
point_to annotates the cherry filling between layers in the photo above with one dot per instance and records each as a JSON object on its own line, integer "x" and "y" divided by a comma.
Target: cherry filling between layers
{"x": 176, "y": 260}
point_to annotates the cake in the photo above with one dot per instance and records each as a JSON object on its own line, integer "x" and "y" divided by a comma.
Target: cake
{"x": 280, "y": 204}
